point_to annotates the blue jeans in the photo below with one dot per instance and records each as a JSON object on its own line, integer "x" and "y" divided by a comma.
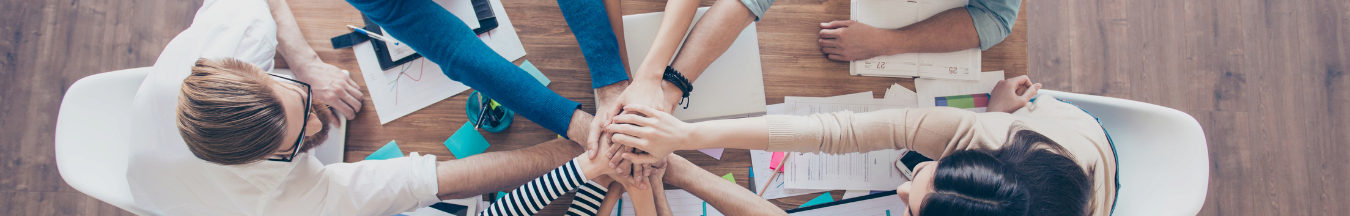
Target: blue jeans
{"x": 442, "y": 38}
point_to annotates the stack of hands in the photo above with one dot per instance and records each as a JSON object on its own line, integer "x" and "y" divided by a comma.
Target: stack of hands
{"x": 637, "y": 132}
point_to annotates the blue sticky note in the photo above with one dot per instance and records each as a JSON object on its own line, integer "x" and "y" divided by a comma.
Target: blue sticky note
{"x": 500, "y": 195}
{"x": 466, "y": 142}
{"x": 388, "y": 151}
{"x": 535, "y": 72}
{"x": 822, "y": 199}
{"x": 752, "y": 172}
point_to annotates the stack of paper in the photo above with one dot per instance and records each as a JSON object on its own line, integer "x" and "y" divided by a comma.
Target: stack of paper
{"x": 892, "y": 14}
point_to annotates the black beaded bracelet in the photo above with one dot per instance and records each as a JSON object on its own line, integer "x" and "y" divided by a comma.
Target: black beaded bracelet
{"x": 674, "y": 77}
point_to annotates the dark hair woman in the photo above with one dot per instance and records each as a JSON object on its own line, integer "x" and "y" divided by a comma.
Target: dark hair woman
{"x": 1045, "y": 157}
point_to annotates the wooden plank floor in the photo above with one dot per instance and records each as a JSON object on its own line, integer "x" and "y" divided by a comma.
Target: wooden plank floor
{"x": 1265, "y": 79}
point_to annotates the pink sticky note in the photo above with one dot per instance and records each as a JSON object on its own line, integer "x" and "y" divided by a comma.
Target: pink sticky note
{"x": 716, "y": 153}
{"x": 773, "y": 163}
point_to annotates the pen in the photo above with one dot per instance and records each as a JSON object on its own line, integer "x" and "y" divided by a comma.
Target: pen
{"x": 372, "y": 35}
{"x": 775, "y": 175}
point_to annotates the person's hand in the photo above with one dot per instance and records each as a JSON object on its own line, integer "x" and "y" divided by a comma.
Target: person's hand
{"x": 593, "y": 168}
{"x": 656, "y": 132}
{"x": 648, "y": 93}
{"x": 331, "y": 85}
{"x": 1011, "y": 94}
{"x": 654, "y": 174}
{"x": 848, "y": 40}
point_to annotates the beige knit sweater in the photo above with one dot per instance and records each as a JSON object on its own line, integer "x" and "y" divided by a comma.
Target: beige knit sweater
{"x": 942, "y": 130}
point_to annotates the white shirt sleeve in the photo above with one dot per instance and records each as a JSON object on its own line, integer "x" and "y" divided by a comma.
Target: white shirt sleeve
{"x": 372, "y": 187}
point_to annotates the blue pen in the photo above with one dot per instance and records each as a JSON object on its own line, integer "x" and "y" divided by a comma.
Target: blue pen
{"x": 368, "y": 33}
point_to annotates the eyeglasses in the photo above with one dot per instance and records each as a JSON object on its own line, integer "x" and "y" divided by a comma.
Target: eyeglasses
{"x": 295, "y": 149}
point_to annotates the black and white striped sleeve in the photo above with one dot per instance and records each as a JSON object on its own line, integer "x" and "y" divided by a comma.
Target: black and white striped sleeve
{"x": 534, "y": 195}
{"x": 588, "y": 199}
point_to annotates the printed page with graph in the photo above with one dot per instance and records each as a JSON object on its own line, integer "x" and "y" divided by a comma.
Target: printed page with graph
{"x": 893, "y": 14}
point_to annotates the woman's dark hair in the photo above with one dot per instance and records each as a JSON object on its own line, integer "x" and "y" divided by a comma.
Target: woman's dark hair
{"x": 1029, "y": 175}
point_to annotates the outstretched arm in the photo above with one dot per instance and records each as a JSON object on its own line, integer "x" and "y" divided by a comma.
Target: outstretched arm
{"x": 497, "y": 171}
{"x": 712, "y": 36}
{"x": 330, "y": 84}
{"x": 949, "y": 31}
{"x": 727, "y": 197}
{"x": 442, "y": 38}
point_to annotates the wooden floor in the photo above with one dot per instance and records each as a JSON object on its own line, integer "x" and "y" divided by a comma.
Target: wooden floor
{"x": 1264, "y": 78}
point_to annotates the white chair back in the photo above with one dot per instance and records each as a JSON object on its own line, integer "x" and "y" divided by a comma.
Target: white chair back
{"x": 1163, "y": 155}
{"x": 92, "y": 135}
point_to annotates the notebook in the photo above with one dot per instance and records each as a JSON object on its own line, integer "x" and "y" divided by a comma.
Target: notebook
{"x": 731, "y": 87}
{"x": 893, "y": 14}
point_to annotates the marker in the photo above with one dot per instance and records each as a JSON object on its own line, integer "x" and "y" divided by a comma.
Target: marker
{"x": 372, "y": 35}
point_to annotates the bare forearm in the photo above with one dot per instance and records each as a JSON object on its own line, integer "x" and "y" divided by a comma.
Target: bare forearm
{"x": 712, "y": 36}
{"x": 726, "y": 197}
{"x": 611, "y": 200}
{"x": 643, "y": 202}
{"x": 678, "y": 16}
{"x": 949, "y": 31}
{"x": 659, "y": 195}
{"x": 290, "y": 42}
{"x": 742, "y": 133}
{"x": 497, "y": 171}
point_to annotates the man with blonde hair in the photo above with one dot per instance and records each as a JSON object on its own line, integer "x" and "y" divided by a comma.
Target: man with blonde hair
{"x": 217, "y": 134}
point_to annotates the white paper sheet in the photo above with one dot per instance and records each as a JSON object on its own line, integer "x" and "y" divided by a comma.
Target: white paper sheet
{"x": 852, "y": 171}
{"x": 855, "y": 193}
{"x": 681, "y": 202}
{"x": 900, "y": 94}
{"x": 893, "y": 14}
{"x": 928, "y": 89}
{"x": 404, "y": 89}
{"x": 503, "y": 39}
{"x": 759, "y": 161}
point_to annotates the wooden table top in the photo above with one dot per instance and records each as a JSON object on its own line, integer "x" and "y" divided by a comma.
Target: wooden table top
{"x": 792, "y": 62}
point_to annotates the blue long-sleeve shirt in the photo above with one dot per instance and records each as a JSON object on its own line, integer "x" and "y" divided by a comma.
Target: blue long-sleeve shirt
{"x": 590, "y": 24}
{"x": 442, "y": 38}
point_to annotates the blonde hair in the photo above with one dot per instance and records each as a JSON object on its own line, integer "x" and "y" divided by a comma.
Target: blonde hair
{"x": 228, "y": 112}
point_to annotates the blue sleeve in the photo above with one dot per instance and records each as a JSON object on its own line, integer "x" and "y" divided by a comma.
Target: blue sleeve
{"x": 993, "y": 19}
{"x": 590, "y": 23}
{"x": 442, "y": 38}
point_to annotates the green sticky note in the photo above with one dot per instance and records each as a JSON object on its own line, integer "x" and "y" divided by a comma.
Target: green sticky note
{"x": 529, "y": 68}
{"x": 388, "y": 151}
{"x": 822, "y": 199}
{"x": 961, "y": 101}
{"x": 466, "y": 142}
{"x": 729, "y": 177}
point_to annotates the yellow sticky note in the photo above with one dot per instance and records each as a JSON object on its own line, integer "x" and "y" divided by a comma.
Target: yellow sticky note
{"x": 729, "y": 177}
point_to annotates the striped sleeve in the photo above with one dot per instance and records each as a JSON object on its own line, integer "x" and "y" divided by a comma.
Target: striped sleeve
{"x": 534, "y": 195}
{"x": 588, "y": 199}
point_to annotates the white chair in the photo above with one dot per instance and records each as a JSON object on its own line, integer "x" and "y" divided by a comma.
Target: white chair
{"x": 92, "y": 136}
{"x": 1163, "y": 157}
